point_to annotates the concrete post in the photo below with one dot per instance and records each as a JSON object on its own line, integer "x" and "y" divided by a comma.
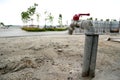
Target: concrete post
{"x": 93, "y": 55}
{"x": 90, "y": 53}
{"x": 87, "y": 55}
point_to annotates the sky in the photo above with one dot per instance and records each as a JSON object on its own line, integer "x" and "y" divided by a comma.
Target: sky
{"x": 10, "y": 10}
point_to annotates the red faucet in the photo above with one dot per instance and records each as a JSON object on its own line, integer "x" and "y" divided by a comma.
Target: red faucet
{"x": 76, "y": 16}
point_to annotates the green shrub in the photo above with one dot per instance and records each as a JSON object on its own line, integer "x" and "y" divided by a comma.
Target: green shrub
{"x": 35, "y": 29}
{"x": 56, "y": 29}
{"x": 32, "y": 29}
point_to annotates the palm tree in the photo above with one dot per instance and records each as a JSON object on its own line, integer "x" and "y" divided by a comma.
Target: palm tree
{"x": 45, "y": 18}
{"x": 25, "y": 17}
{"x": 38, "y": 16}
{"x": 60, "y": 20}
{"x": 31, "y": 10}
{"x": 50, "y": 18}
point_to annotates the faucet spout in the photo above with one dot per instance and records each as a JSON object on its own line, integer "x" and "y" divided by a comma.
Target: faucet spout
{"x": 86, "y": 25}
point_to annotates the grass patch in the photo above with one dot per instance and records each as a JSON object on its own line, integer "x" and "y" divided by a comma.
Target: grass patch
{"x": 36, "y": 29}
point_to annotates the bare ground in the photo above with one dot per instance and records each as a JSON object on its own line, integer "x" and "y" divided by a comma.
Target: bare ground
{"x": 55, "y": 58}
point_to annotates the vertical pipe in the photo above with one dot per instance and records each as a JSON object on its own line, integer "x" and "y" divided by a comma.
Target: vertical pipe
{"x": 90, "y": 53}
{"x": 87, "y": 54}
{"x": 93, "y": 55}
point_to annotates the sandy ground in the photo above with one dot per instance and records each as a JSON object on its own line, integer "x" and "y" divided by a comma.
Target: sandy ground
{"x": 55, "y": 58}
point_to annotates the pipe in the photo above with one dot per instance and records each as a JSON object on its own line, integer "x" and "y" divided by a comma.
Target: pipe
{"x": 87, "y": 25}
